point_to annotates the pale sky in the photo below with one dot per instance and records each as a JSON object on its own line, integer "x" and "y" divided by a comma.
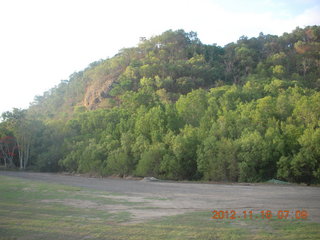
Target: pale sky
{"x": 44, "y": 41}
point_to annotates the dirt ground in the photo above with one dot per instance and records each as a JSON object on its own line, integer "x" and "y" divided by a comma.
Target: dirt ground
{"x": 161, "y": 198}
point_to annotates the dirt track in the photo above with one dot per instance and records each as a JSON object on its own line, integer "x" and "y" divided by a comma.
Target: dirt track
{"x": 186, "y": 197}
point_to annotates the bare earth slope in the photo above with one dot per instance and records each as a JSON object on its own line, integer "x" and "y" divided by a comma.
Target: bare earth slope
{"x": 186, "y": 197}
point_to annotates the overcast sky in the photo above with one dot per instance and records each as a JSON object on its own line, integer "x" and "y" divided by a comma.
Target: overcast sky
{"x": 44, "y": 41}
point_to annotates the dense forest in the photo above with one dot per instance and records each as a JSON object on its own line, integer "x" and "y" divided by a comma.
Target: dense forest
{"x": 175, "y": 108}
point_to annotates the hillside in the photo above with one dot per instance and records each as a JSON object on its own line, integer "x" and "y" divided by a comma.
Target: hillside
{"x": 177, "y": 62}
{"x": 176, "y": 108}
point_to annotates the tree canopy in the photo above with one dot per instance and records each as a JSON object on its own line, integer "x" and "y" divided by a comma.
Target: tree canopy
{"x": 176, "y": 108}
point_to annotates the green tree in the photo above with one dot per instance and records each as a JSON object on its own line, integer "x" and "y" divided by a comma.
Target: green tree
{"x": 217, "y": 159}
{"x": 192, "y": 106}
{"x": 150, "y": 162}
{"x": 23, "y": 128}
{"x": 251, "y": 157}
{"x": 306, "y": 164}
{"x": 184, "y": 148}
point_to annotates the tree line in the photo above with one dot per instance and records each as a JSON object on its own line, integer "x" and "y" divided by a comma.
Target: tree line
{"x": 175, "y": 108}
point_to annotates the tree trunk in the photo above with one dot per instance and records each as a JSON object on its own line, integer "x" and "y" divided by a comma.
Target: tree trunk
{"x": 4, "y": 155}
{"x": 8, "y": 153}
{"x": 26, "y": 159}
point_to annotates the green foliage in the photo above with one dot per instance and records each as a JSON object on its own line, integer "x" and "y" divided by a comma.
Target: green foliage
{"x": 252, "y": 157}
{"x": 151, "y": 124}
{"x": 92, "y": 158}
{"x": 175, "y": 108}
{"x": 302, "y": 165}
{"x": 71, "y": 161}
{"x": 192, "y": 106}
{"x": 217, "y": 159}
{"x": 184, "y": 148}
{"x": 48, "y": 147}
{"x": 149, "y": 164}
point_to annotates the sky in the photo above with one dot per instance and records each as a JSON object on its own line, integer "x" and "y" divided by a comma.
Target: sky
{"x": 44, "y": 41}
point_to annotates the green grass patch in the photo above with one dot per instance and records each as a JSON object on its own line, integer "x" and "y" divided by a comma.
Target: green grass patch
{"x": 36, "y": 210}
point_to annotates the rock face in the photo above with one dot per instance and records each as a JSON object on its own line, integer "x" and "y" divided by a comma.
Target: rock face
{"x": 100, "y": 85}
{"x": 96, "y": 92}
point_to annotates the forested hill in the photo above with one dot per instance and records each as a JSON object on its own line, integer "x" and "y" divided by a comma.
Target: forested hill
{"x": 176, "y": 62}
{"x": 175, "y": 108}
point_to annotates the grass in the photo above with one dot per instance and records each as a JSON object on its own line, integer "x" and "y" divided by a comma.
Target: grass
{"x": 36, "y": 210}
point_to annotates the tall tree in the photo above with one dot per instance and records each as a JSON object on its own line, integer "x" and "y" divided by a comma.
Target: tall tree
{"x": 22, "y": 128}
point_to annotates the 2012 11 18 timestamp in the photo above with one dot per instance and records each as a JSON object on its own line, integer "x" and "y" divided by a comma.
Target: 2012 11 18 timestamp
{"x": 263, "y": 214}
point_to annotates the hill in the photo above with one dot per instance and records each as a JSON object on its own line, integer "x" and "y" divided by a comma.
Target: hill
{"x": 176, "y": 108}
{"x": 177, "y": 62}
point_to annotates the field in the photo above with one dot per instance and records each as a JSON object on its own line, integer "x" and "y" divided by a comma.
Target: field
{"x": 52, "y": 206}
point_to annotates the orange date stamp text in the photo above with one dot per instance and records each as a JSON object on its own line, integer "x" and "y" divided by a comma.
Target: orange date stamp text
{"x": 263, "y": 214}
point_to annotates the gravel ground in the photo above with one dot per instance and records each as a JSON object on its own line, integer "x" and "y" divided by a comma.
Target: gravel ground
{"x": 186, "y": 197}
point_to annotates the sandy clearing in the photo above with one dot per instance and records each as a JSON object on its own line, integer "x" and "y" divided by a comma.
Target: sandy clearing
{"x": 171, "y": 198}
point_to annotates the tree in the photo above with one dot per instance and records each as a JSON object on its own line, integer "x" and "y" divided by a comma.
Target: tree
{"x": 23, "y": 129}
{"x": 184, "y": 148}
{"x": 192, "y": 106}
{"x": 119, "y": 162}
{"x": 150, "y": 162}
{"x": 251, "y": 157}
{"x": 92, "y": 158}
{"x": 306, "y": 164}
{"x": 175, "y": 108}
{"x": 151, "y": 124}
{"x": 217, "y": 159}
{"x": 8, "y": 147}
